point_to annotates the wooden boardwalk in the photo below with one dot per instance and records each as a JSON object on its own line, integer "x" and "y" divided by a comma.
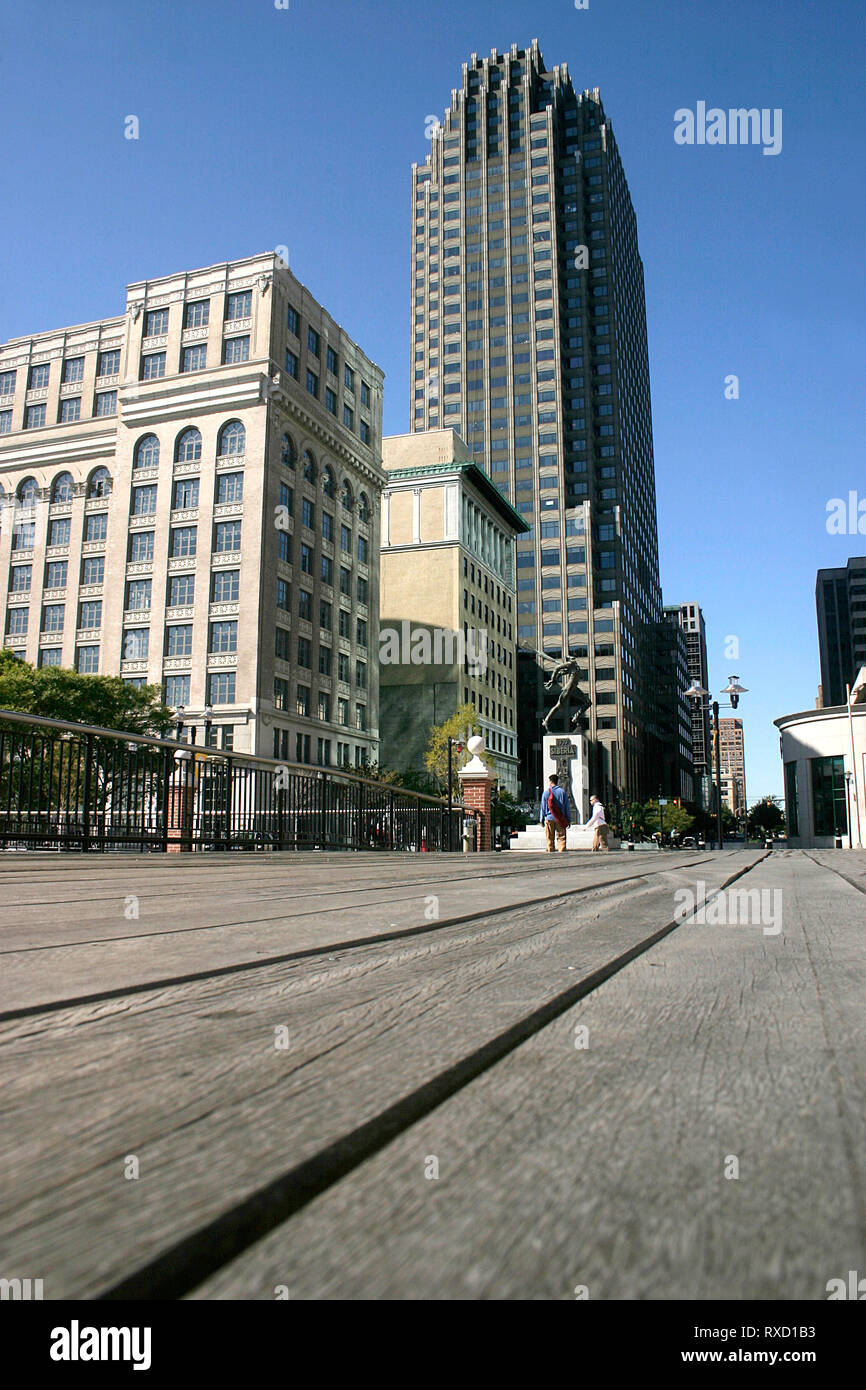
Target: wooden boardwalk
{"x": 399, "y": 1076}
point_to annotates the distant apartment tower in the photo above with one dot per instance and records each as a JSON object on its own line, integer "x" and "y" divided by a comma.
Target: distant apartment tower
{"x": 692, "y": 621}
{"x": 192, "y": 500}
{"x": 840, "y": 598}
{"x": 733, "y": 764}
{"x": 529, "y": 338}
{"x": 447, "y": 601}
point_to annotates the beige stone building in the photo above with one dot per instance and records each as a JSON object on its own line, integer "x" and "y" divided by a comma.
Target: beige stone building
{"x": 190, "y": 497}
{"x": 732, "y": 757}
{"x": 448, "y": 621}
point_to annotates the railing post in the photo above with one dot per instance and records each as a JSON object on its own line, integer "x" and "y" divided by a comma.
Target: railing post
{"x": 227, "y": 809}
{"x": 85, "y": 823}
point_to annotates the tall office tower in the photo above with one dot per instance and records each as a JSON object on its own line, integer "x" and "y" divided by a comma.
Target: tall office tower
{"x": 692, "y": 621}
{"x": 191, "y": 499}
{"x": 840, "y": 598}
{"x": 529, "y": 338}
{"x": 673, "y": 679}
{"x": 733, "y": 763}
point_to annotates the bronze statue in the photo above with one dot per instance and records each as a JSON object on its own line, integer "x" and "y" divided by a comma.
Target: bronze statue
{"x": 566, "y": 672}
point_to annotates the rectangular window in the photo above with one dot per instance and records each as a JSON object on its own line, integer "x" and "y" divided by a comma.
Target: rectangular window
{"x": 325, "y": 616}
{"x": 343, "y": 666}
{"x": 365, "y": 432}
{"x": 152, "y": 366}
{"x": 348, "y": 417}
{"x": 363, "y": 549}
{"x": 293, "y": 321}
{"x": 50, "y": 656}
{"x": 197, "y": 314}
{"x": 226, "y": 586}
{"x": 59, "y": 530}
{"x": 90, "y": 614}
{"x": 155, "y": 321}
{"x": 236, "y": 350}
{"x": 53, "y": 615}
{"x": 333, "y": 363}
{"x": 16, "y": 621}
{"x": 93, "y": 568}
{"x": 5, "y": 421}
{"x": 324, "y": 661}
{"x": 34, "y": 417}
{"x": 349, "y": 378}
{"x": 291, "y": 364}
{"x": 194, "y": 358}
{"x": 302, "y": 748}
{"x": 345, "y": 582}
{"x": 331, "y": 400}
{"x": 305, "y": 657}
{"x": 306, "y": 559}
{"x": 221, "y": 688}
{"x": 327, "y": 570}
{"x": 363, "y": 589}
{"x": 305, "y": 605}
{"x": 87, "y": 661}
{"x": 284, "y": 547}
{"x": 179, "y": 640}
{"x": 22, "y": 577}
{"x": 365, "y": 393}
{"x": 829, "y": 815}
{"x": 109, "y": 363}
{"x": 138, "y": 593}
{"x": 144, "y": 500}
{"x": 185, "y": 494}
{"x": 282, "y": 594}
{"x": 283, "y": 644}
{"x": 230, "y": 487}
{"x": 361, "y": 633}
{"x": 327, "y": 526}
{"x": 239, "y": 305}
{"x": 313, "y": 342}
{"x": 181, "y": 589}
{"x": 7, "y": 383}
{"x": 224, "y": 636}
{"x": 136, "y": 643}
{"x": 302, "y": 700}
{"x": 39, "y": 376}
{"x": 183, "y": 541}
{"x": 177, "y": 689}
{"x": 312, "y": 383}
{"x": 281, "y": 693}
{"x": 106, "y": 404}
{"x": 227, "y": 536}
{"x": 70, "y": 410}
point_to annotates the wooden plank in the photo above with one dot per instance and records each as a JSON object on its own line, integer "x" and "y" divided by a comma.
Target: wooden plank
{"x": 604, "y": 1167}
{"x": 188, "y": 1079}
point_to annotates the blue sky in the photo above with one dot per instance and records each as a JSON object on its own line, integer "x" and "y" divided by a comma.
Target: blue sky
{"x": 262, "y": 127}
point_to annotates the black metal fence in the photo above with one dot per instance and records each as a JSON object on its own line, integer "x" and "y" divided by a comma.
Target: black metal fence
{"x": 70, "y": 786}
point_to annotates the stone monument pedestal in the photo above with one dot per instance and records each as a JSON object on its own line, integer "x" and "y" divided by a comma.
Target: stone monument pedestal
{"x": 567, "y": 755}
{"x": 532, "y": 840}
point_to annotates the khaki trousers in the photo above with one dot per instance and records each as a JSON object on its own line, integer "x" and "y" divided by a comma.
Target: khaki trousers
{"x": 599, "y": 839}
{"x": 551, "y": 831}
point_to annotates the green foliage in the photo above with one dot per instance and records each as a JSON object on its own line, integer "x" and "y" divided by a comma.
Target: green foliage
{"x": 462, "y": 725}
{"x": 53, "y": 692}
{"x": 675, "y": 818}
{"x": 765, "y": 816}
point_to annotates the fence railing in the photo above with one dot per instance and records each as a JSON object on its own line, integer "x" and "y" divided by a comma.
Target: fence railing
{"x": 73, "y": 786}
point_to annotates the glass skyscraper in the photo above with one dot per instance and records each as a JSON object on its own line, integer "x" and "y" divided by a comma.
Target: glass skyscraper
{"x": 529, "y": 338}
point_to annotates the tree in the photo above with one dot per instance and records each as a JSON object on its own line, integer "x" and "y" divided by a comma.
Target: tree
{"x": 462, "y": 725}
{"x": 766, "y": 816}
{"x": 53, "y": 692}
{"x": 675, "y": 818}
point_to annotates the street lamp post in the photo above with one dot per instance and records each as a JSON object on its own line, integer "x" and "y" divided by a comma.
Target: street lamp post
{"x": 848, "y": 808}
{"x": 459, "y": 746}
{"x": 697, "y": 692}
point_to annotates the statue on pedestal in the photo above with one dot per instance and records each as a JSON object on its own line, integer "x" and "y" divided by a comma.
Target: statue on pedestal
{"x": 567, "y": 673}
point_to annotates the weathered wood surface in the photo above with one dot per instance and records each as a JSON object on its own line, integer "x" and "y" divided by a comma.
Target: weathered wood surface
{"x": 608, "y": 1157}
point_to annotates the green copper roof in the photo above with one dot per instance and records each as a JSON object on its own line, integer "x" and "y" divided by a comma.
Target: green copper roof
{"x": 476, "y": 475}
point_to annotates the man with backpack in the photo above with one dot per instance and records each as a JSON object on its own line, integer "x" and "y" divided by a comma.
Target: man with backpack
{"x": 554, "y": 815}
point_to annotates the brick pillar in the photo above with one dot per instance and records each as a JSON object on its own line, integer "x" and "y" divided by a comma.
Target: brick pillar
{"x": 477, "y": 783}
{"x": 181, "y": 795}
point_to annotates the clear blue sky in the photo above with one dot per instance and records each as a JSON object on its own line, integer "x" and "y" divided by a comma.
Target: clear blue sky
{"x": 262, "y": 127}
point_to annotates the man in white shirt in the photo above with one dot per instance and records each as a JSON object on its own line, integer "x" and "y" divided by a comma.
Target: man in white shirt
{"x": 598, "y": 823}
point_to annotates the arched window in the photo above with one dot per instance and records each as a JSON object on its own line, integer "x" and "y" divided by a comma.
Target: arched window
{"x": 364, "y": 507}
{"x": 347, "y": 497}
{"x": 28, "y": 492}
{"x": 233, "y": 439}
{"x": 63, "y": 488}
{"x": 188, "y": 448}
{"x": 328, "y": 489}
{"x": 146, "y": 452}
{"x": 309, "y": 467}
{"x": 100, "y": 483}
{"x": 288, "y": 452}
